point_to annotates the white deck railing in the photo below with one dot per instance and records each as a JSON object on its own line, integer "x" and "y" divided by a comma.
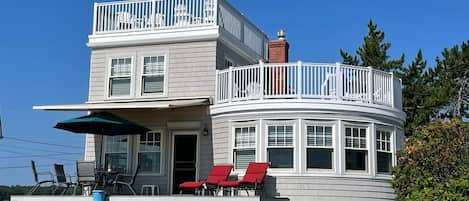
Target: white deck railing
{"x": 153, "y": 15}
{"x": 142, "y": 15}
{"x": 308, "y": 81}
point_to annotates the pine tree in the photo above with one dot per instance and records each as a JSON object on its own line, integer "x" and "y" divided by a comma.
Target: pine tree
{"x": 453, "y": 73}
{"x": 373, "y": 52}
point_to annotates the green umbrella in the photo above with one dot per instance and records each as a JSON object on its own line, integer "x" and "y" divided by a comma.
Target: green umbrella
{"x": 101, "y": 123}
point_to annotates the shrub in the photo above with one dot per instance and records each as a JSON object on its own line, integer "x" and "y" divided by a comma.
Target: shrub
{"x": 435, "y": 163}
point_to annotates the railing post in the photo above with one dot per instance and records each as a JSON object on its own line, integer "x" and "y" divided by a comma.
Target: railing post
{"x": 216, "y": 7}
{"x": 153, "y": 15}
{"x": 230, "y": 83}
{"x": 95, "y": 17}
{"x": 217, "y": 89}
{"x": 339, "y": 81}
{"x": 299, "y": 89}
{"x": 370, "y": 85}
{"x": 261, "y": 79}
{"x": 392, "y": 90}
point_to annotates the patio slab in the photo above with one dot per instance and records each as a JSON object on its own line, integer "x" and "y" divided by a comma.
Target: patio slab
{"x": 133, "y": 198}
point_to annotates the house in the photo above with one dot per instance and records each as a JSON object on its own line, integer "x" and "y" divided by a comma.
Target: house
{"x": 215, "y": 90}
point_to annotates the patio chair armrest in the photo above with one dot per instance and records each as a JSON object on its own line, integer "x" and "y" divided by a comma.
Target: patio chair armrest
{"x": 47, "y": 173}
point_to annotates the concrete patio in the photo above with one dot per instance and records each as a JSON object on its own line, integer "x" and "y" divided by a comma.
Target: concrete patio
{"x": 133, "y": 198}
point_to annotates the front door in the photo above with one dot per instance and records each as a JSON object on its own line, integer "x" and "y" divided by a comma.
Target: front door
{"x": 185, "y": 158}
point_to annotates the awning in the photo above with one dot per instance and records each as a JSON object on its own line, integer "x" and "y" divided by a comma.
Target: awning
{"x": 156, "y": 104}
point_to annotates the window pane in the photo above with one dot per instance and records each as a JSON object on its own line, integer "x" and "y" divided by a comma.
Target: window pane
{"x": 319, "y": 158}
{"x": 243, "y": 157}
{"x": 280, "y": 157}
{"x": 149, "y": 162}
{"x": 384, "y": 162}
{"x": 116, "y": 161}
{"x": 121, "y": 67}
{"x": 245, "y": 137}
{"x": 153, "y": 84}
{"x": 356, "y": 159}
{"x": 120, "y": 86}
{"x": 280, "y": 135}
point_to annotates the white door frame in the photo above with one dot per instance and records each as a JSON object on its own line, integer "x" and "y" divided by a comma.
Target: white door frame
{"x": 197, "y": 155}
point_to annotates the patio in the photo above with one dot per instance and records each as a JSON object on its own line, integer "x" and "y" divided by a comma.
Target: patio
{"x": 133, "y": 198}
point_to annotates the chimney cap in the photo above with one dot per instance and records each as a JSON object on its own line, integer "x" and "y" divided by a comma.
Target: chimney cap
{"x": 281, "y": 34}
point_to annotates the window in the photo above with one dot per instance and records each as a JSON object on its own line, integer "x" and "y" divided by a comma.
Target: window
{"x": 244, "y": 150}
{"x": 116, "y": 153}
{"x": 120, "y": 77}
{"x": 383, "y": 151}
{"x": 153, "y": 75}
{"x": 319, "y": 150}
{"x": 149, "y": 155}
{"x": 280, "y": 146}
{"x": 356, "y": 152}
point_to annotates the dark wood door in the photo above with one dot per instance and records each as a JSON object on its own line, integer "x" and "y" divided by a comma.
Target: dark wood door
{"x": 184, "y": 163}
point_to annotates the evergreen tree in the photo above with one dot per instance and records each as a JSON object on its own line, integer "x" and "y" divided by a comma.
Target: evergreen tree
{"x": 373, "y": 52}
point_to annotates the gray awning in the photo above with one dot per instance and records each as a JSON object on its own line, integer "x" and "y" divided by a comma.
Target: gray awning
{"x": 158, "y": 104}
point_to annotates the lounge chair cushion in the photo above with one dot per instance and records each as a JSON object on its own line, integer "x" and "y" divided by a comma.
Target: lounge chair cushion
{"x": 255, "y": 173}
{"x": 191, "y": 184}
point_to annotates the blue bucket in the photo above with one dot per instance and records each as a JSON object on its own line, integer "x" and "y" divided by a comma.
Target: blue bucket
{"x": 99, "y": 195}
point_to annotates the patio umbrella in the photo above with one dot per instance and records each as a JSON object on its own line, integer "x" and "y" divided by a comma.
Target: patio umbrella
{"x": 101, "y": 123}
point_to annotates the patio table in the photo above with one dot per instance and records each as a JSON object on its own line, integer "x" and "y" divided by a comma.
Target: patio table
{"x": 106, "y": 178}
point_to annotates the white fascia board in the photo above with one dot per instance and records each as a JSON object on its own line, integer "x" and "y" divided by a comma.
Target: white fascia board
{"x": 306, "y": 105}
{"x": 125, "y": 105}
{"x": 153, "y": 37}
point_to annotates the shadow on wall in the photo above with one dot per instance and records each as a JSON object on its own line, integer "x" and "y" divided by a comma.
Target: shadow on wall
{"x": 270, "y": 190}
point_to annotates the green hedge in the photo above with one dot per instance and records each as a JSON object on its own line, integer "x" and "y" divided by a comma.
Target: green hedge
{"x": 435, "y": 163}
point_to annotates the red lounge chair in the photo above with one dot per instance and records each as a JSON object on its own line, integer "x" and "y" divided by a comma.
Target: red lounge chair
{"x": 218, "y": 173}
{"x": 252, "y": 180}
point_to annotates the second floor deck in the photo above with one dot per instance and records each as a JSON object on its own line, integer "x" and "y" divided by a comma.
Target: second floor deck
{"x": 313, "y": 81}
{"x": 135, "y": 20}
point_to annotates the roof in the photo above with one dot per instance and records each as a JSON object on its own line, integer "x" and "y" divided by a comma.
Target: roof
{"x": 154, "y": 104}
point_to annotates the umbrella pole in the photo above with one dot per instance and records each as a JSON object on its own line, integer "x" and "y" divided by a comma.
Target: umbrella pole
{"x": 101, "y": 152}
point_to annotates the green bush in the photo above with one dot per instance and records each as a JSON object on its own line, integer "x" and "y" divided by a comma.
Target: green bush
{"x": 435, "y": 163}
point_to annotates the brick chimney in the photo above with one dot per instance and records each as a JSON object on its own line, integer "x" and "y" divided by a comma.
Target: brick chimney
{"x": 278, "y": 49}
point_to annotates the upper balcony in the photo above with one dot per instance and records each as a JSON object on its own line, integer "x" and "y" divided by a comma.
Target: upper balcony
{"x": 166, "y": 20}
{"x": 310, "y": 82}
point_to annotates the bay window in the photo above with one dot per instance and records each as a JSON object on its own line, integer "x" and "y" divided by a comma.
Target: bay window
{"x": 356, "y": 152}
{"x": 116, "y": 153}
{"x": 319, "y": 148}
{"x": 149, "y": 155}
{"x": 153, "y": 78}
{"x": 120, "y": 77}
{"x": 244, "y": 150}
{"x": 280, "y": 146}
{"x": 383, "y": 151}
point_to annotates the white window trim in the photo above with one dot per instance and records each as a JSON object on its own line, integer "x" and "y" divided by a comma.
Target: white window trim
{"x": 162, "y": 152}
{"x": 391, "y": 148}
{"x": 233, "y": 126}
{"x": 368, "y": 162}
{"x": 108, "y": 76}
{"x": 140, "y": 75}
{"x": 129, "y": 158}
{"x": 294, "y": 146}
{"x": 305, "y": 145}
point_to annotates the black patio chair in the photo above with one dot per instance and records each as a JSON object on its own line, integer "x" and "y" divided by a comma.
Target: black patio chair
{"x": 61, "y": 179}
{"x": 86, "y": 176}
{"x": 39, "y": 182}
{"x": 125, "y": 180}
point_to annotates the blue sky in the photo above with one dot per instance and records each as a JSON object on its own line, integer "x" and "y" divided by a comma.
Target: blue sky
{"x": 45, "y": 59}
